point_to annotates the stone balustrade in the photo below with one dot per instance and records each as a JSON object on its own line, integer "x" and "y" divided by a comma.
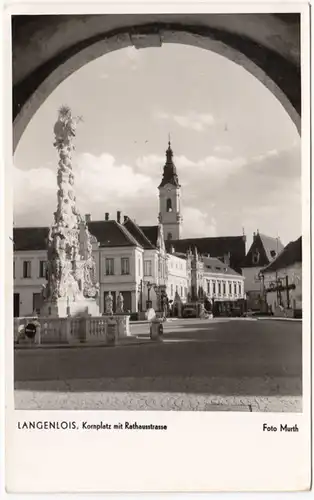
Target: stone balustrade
{"x": 73, "y": 330}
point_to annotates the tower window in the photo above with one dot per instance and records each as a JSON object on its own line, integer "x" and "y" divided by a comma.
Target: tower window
{"x": 169, "y": 205}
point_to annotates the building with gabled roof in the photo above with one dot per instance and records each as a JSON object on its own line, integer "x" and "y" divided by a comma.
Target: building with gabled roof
{"x": 282, "y": 281}
{"x": 289, "y": 256}
{"x": 263, "y": 251}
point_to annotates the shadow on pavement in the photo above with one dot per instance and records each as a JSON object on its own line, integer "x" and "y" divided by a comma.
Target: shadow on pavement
{"x": 223, "y": 358}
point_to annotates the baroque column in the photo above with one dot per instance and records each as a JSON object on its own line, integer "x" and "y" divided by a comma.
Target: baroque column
{"x": 71, "y": 287}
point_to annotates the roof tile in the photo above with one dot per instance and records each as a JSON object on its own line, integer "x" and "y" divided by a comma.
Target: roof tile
{"x": 108, "y": 234}
{"x": 218, "y": 247}
{"x": 138, "y": 234}
{"x": 290, "y": 255}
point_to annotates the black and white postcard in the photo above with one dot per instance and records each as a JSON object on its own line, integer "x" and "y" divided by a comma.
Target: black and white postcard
{"x": 157, "y": 247}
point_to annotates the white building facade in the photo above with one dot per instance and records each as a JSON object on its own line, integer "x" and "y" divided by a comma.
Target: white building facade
{"x": 179, "y": 278}
{"x": 215, "y": 280}
{"x": 29, "y": 274}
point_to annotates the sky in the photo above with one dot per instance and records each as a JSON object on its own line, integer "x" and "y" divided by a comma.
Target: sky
{"x": 236, "y": 150}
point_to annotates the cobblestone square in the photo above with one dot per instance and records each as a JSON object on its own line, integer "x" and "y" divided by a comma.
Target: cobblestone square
{"x": 215, "y": 365}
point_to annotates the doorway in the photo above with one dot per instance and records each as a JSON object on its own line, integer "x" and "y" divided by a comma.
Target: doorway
{"x": 16, "y": 305}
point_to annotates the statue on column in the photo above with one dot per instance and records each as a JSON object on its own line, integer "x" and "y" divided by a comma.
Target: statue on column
{"x": 71, "y": 274}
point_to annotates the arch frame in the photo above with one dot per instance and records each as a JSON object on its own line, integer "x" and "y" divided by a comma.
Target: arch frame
{"x": 239, "y": 50}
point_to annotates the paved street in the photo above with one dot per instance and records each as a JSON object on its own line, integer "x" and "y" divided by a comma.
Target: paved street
{"x": 221, "y": 364}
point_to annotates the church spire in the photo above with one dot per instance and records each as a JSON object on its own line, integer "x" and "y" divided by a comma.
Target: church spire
{"x": 170, "y": 175}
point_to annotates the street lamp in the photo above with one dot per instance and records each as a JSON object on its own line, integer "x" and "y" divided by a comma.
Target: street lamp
{"x": 149, "y": 287}
{"x": 140, "y": 289}
{"x": 159, "y": 290}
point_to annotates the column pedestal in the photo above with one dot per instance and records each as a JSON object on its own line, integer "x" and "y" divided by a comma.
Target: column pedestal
{"x": 61, "y": 308}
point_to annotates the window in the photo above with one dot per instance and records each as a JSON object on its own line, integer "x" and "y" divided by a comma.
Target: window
{"x": 235, "y": 288}
{"x": 273, "y": 254}
{"x": 42, "y": 269}
{"x": 36, "y": 302}
{"x": 230, "y": 288}
{"x": 224, "y": 288}
{"x": 169, "y": 205}
{"x": 176, "y": 289}
{"x": 255, "y": 257}
{"x": 214, "y": 287}
{"x": 169, "y": 237}
{"x": 109, "y": 267}
{"x": 27, "y": 269}
{"x": 219, "y": 288}
{"x": 125, "y": 265}
{"x": 147, "y": 268}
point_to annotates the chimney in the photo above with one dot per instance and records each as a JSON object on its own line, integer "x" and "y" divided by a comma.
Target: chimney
{"x": 87, "y": 217}
{"x": 227, "y": 259}
{"x": 107, "y": 216}
{"x": 119, "y": 217}
{"x": 125, "y": 218}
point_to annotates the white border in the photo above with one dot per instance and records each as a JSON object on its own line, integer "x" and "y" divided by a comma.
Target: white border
{"x": 59, "y": 467}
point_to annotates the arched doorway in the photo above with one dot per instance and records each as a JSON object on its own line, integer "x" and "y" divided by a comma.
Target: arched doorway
{"x": 266, "y": 45}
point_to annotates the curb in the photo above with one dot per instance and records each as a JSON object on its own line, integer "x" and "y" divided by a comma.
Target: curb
{"x": 135, "y": 341}
{"x": 271, "y": 318}
{"x": 140, "y": 322}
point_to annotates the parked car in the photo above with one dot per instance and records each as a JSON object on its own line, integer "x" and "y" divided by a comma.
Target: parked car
{"x": 236, "y": 312}
{"x": 189, "y": 312}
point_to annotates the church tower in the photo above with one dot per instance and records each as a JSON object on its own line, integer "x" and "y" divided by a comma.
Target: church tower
{"x": 170, "y": 199}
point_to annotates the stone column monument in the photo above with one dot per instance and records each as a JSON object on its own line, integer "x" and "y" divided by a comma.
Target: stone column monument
{"x": 72, "y": 288}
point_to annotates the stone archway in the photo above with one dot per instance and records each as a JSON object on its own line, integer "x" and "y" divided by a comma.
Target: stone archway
{"x": 48, "y": 49}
